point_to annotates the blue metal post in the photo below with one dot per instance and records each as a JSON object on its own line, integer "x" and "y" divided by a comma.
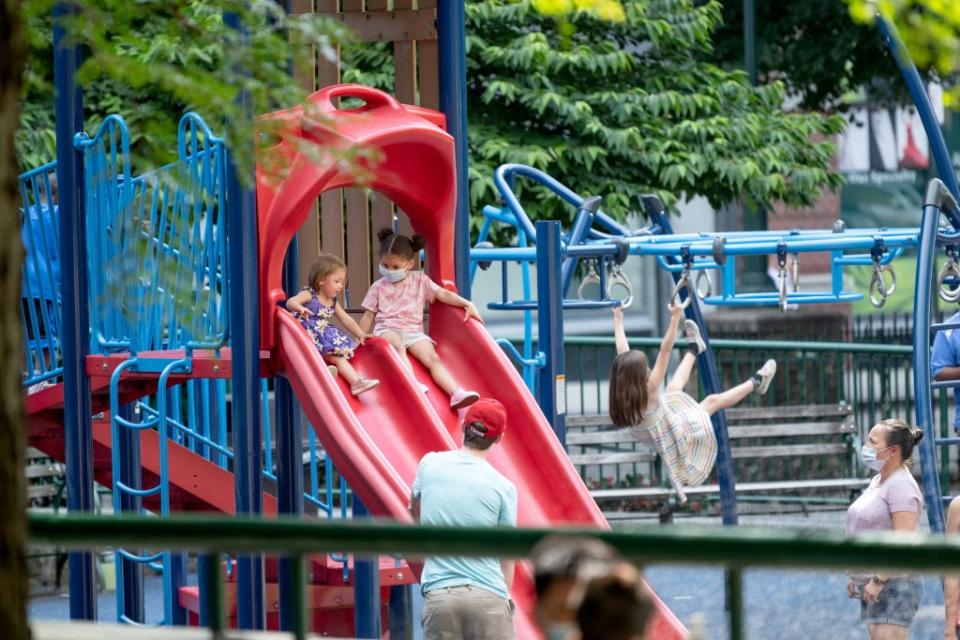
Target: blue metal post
{"x": 552, "y": 381}
{"x": 938, "y": 146}
{"x": 366, "y": 587}
{"x": 75, "y": 341}
{"x": 451, "y": 39}
{"x": 578, "y": 233}
{"x": 131, "y": 572}
{"x": 922, "y": 311}
{"x": 400, "y": 612}
{"x": 710, "y": 379}
{"x": 289, "y": 457}
{"x": 245, "y": 347}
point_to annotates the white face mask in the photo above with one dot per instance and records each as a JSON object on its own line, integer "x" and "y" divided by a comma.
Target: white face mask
{"x": 869, "y": 458}
{"x": 393, "y": 275}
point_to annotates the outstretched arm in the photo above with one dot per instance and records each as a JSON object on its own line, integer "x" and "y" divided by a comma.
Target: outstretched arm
{"x": 366, "y": 321}
{"x": 350, "y": 324}
{"x": 666, "y": 348}
{"x": 449, "y": 297}
{"x": 295, "y": 304}
{"x": 619, "y": 335}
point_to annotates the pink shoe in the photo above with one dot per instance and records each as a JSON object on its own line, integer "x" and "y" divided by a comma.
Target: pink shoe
{"x": 363, "y": 385}
{"x": 461, "y": 398}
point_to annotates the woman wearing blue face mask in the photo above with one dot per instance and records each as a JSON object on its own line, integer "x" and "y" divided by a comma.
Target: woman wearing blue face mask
{"x": 892, "y": 502}
{"x": 394, "y": 308}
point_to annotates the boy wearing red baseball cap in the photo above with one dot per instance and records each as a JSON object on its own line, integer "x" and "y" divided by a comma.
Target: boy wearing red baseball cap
{"x": 467, "y": 597}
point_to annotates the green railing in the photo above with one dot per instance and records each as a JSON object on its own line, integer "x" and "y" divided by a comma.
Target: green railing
{"x": 733, "y": 549}
{"x": 876, "y": 380}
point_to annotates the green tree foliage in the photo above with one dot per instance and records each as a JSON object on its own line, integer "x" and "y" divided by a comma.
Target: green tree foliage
{"x": 152, "y": 60}
{"x": 629, "y": 108}
{"x": 815, "y": 49}
{"x": 930, "y": 30}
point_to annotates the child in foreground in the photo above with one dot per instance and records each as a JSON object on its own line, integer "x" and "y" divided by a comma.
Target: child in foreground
{"x": 316, "y": 305}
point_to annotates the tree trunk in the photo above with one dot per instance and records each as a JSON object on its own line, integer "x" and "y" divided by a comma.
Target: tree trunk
{"x": 13, "y": 570}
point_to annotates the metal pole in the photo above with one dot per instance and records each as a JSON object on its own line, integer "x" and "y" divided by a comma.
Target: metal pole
{"x": 707, "y": 366}
{"x": 289, "y": 460}
{"x": 552, "y": 382}
{"x": 938, "y": 146}
{"x": 578, "y": 233}
{"x": 926, "y": 263}
{"x": 754, "y": 274}
{"x": 245, "y": 347}
{"x": 366, "y": 587}
{"x": 75, "y": 341}
{"x": 451, "y": 42}
{"x": 131, "y": 572}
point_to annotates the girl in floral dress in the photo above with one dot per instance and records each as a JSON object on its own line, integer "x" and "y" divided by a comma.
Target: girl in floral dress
{"x": 316, "y": 306}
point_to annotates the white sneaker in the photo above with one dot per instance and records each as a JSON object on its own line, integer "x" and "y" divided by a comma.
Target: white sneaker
{"x": 461, "y": 398}
{"x": 766, "y": 373}
{"x": 692, "y": 332}
{"x": 362, "y": 385}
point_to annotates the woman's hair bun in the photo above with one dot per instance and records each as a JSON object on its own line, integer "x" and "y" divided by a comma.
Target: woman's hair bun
{"x": 917, "y": 435}
{"x": 384, "y": 233}
{"x": 417, "y": 242}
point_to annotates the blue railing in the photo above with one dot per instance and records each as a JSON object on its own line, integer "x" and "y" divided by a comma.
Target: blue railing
{"x": 156, "y": 242}
{"x": 40, "y": 282}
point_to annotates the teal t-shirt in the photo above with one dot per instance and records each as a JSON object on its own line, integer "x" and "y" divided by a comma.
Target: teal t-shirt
{"x": 457, "y": 489}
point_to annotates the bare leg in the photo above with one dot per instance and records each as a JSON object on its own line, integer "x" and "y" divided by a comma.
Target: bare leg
{"x": 682, "y": 375}
{"x": 716, "y": 401}
{"x": 425, "y": 353}
{"x": 397, "y": 343}
{"x": 344, "y": 368}
{"x": 887, "y": 632}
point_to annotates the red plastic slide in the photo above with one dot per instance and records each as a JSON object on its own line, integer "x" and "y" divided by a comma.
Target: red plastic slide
{"x": 376, "y": 441}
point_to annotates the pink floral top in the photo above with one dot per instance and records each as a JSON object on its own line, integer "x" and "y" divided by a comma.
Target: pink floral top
{"x": 400, "y": 306}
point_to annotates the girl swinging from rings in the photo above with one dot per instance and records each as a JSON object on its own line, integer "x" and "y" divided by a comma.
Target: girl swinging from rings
{"x": 670, "y": 420}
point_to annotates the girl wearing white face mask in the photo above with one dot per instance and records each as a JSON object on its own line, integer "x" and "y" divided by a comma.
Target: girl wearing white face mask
{"x": 394, "y": 308}
{"x": 892, "y": 502}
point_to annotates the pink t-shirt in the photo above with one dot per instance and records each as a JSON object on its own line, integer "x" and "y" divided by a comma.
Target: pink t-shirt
{"x": 400, "y": 306}
{"x": 873, "y": 510}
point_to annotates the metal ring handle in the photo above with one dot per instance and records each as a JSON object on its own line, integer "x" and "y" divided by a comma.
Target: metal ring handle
{"x": 946, "y": 293}
{"x": 591, "y": 278}
{"x": 701, "y": 275}
{"x": 618, "y": 279}
{"x": 783, "y": 289}
{"x": 684, "y": 281}
{"x": 877, "y": 297}
{"x": 795, "y": 272}
{"x": 888, "y": 290}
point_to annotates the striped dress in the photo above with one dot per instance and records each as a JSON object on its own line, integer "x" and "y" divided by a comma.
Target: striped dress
{"x": 682, "y": 433}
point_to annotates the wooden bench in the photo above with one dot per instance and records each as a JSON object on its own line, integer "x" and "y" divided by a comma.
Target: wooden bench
{"x": 45, "y": 479}
{"x": 814, "y": 448}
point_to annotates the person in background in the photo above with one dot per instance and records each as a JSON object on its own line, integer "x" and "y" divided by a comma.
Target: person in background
{"x": 891, "y": 502}
{"x": 945, "y": 361}
{"x": 467, "y": 598}
{"x": 951, "y": 583}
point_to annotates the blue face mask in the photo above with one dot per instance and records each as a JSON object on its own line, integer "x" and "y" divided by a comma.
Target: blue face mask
{"x": 393, "y": 275}
{"x": 869, "y": 458}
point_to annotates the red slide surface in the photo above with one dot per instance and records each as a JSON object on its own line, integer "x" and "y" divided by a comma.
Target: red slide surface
{"x": 377, "y": 440}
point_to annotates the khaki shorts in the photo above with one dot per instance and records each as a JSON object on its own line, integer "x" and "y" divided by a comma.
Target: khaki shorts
{"x": 466, "y": 613}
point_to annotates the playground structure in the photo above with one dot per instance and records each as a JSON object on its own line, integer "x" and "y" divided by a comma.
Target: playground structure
{"x": 158, "y": 378}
